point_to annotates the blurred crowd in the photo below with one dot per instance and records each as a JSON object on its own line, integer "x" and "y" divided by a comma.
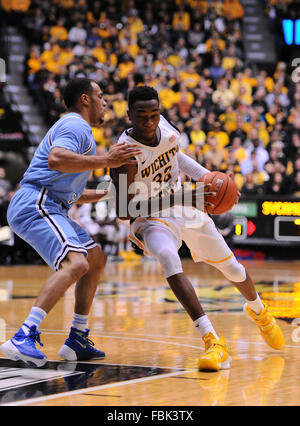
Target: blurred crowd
{"x": 233, "y": 116}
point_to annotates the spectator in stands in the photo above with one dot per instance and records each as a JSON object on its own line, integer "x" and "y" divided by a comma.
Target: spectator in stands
{"x": 278, "y": 96}
{"x": 223, "y": 96}
{"x": 162, "y": 67}
{"x": 120, "y": 106}
{"x": 216, "y": 69}
{"x": 295, "y": 185}
{"x": 184, "y": 139}
{"x": 77, "y": 33}
{"x": 238, "y": 131}
{"x": 274, "y": 164}
{"x": 259, "y": 99}
{"x": 144, "y": 61}
{"x": 233, "y": 10}
{"x": 192, "y": 53}
{"x": 276, "y": 185}
{"x": 93, "y": 37}
{"x": 294, "y": 146}
{"x": 197, "y": 136}
{"x": 181, "y": 21}
{"x": 238, "y": 151}
{"x": 218, "y": 132}
{"x": 195, "y": 36}
{"x": 58, "y": 31}
{"x": 215, "y": 43}
{"x": 250, "y": 187}
{"x": 254, "y": 144}
{"x": 230, "y": 58}
{"x": 184, "y": 102}
{"x": 35, "y": 22}
{"x": 252, "y": 165}
{"x": 212, "y": 151}
{"x": 55, "y": 106}
{"x": 96, "y": 15}
{"x": 278, "y": 148}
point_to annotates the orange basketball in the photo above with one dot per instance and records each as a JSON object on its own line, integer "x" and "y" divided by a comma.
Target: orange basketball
{"x": 226, "y": 190}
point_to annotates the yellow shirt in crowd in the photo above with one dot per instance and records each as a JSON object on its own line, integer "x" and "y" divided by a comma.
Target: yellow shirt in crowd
{"x": 15, "y": 5}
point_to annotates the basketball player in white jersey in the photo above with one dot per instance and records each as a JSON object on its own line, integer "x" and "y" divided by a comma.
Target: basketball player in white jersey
{"x": 157, "y": 235}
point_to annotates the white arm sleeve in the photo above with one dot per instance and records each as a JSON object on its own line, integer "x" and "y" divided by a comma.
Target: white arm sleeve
{"x": 190, "y": 167}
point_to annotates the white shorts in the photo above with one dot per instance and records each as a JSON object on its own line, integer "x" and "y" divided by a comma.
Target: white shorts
{"x": 201, "y": 236}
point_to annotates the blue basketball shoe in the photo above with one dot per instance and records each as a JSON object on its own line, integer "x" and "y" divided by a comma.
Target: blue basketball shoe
{"x": 22, "y": 347}
{"x": 78, "y": 347}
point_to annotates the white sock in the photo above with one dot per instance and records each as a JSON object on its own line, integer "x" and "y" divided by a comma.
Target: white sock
{"x": 204, "y": 325}
{"x": 80, "y": 322}
{"x": 35, "y": 317}
{"x": 256, "y": 305}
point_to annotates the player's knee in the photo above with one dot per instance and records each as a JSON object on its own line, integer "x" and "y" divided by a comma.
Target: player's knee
{"x": 79, "y": 269}
{"x": 97, "y": 259}
{"x": 165, "y": 255}
{"x": 234, "y": 271}
{"x": 170, "y": 262}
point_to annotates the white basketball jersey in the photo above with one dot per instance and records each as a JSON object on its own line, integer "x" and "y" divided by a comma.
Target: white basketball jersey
{"x": 157, "y": 167}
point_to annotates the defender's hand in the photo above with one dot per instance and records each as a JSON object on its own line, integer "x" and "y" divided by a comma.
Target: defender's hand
{"x": 122, "y": 153}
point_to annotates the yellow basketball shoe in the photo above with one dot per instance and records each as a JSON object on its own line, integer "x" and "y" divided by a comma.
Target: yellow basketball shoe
{"x": 216, "y": 356}
{"x": 267, "y": 325}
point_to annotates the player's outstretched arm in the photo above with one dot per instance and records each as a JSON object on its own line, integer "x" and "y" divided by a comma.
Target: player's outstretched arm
{"x": 91, "y": 196}
{"x": 66, "y": 161}
{"x": 190, "y": 167}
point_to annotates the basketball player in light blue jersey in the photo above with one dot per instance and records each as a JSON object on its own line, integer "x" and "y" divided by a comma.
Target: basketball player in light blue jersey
{"x": 38, "y": 213}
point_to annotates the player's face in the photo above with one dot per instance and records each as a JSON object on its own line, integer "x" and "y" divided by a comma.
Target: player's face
{"x": 98, "y": 105}
{"x": 145, "y": 117}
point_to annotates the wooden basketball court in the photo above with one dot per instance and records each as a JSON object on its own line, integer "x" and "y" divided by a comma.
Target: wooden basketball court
{"x": 151, "y": 344}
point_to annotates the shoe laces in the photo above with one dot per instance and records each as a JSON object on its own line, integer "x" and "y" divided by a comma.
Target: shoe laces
{"x": 34, "y": 334}
{"x": 215, "y": 344}
{"x": 265, "y": 319}
{"x": 267, "y": 323}
{"x": 87, "y": 340}
{"x": 90, "y": 342}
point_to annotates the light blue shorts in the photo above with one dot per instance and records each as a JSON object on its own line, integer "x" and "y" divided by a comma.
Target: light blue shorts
{"x": 44, "y": 224}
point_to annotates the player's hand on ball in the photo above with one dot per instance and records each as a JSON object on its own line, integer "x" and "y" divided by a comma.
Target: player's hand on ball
{"x": 199, "y": 196}
{"x": 207, "y": 192}
{"x": 231, "y": 175}
{"x": 227, "y": 193}
{"x": 122, "y": 154}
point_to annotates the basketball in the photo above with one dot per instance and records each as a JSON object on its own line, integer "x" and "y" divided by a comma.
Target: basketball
{"x": 226, "y": 190}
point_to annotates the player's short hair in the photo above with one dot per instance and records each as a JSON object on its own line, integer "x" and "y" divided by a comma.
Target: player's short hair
{"x": 141, "y": 93}
{"x": 75, "y": 88}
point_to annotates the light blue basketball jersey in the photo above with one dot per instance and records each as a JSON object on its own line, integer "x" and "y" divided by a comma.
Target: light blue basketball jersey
{"x": 75, "y": 134}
